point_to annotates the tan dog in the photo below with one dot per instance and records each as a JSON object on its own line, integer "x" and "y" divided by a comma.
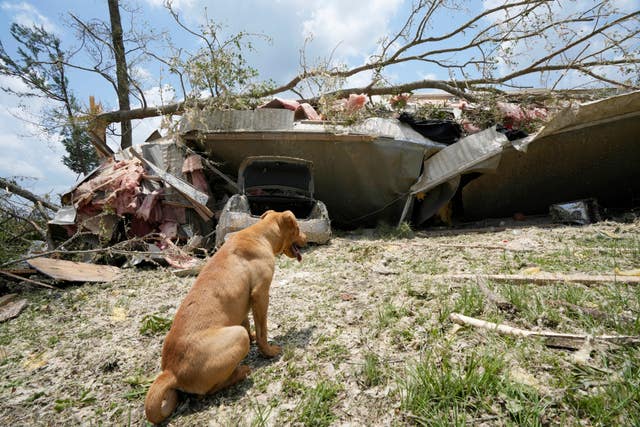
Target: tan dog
{"x": 210, "y": 332}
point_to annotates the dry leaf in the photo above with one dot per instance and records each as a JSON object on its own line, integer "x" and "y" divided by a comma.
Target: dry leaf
{"x": 530, "y": 270}
{"x": 583, "y": 355}
{"x": 118, "y": 314}
{"x": 35, "y": 361}
{"x": 633, "y": 272}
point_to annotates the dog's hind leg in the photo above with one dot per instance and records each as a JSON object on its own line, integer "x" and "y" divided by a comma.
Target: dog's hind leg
{"x": 238, "y": 374}
{"x": 214, "y": 362}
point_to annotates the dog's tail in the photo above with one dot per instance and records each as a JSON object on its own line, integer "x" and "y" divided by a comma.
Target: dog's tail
{"x": 162, "y": 398}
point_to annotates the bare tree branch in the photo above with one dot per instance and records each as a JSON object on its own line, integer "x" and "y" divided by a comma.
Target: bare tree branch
{"x": 13, "y": 188}
{"x": 468, "y": 53}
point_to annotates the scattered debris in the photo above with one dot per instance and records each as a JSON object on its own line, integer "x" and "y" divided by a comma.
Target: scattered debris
{"x": 179, "y": 196}
{"x": 10, "y": 307}
{"x": 553, "y": 339}
{"x": 580, "y": 212}
{"x": 302, "y": 111}
{"x": 584, "y": 151}
{"x": 355, "y": 102}
{"x": 59, "y": 269}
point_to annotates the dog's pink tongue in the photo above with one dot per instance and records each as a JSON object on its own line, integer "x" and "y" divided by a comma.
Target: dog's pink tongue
{"x": 296, "y": 251}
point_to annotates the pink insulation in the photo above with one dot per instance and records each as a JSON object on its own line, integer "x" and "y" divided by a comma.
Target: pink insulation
{"x": 355, "y": 102}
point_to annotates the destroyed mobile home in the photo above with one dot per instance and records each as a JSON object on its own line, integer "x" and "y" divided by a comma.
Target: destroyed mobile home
{"x": 226, "y": 168}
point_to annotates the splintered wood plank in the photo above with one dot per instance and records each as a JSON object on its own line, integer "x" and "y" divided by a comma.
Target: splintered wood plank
{"x": 74, "y": 271}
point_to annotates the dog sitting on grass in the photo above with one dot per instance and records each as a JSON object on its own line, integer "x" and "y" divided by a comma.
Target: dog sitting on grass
{"x": 210, "y": 333}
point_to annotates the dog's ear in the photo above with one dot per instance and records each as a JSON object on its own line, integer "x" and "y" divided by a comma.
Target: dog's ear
{"x": 266, "y": 213}
{"x": 289, "y": 222}
{"x": 290, "y": 219}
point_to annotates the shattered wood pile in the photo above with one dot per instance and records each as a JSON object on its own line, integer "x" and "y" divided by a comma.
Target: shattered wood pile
{"x": 155, "y": 198}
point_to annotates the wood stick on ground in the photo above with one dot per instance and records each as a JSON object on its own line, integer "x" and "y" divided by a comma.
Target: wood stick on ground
{"x": 24, "y": 279}
{"x": 555, "y": 339}
{"x": 545, "y": 278}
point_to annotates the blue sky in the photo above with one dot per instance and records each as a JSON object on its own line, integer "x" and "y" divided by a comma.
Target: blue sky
{"x": 26, "y": 153}
{"x": 349, "y": 29}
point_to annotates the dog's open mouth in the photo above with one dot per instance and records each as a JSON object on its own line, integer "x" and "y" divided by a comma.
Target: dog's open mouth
{"x": 296, "y": 251}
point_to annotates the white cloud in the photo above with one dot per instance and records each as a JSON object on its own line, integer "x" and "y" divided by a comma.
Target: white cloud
{"x": 179, "y": 5}
{"x": 26, "y": 151}
{"x": 26, "y": 14}
{"x": 351, "y": 28}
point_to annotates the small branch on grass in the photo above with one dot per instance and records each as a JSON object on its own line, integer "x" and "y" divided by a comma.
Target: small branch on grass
{"x": 34, "y": 282}
{"x": 554, "y": 339}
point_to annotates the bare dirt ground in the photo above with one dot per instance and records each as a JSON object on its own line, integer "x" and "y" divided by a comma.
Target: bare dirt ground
{"x": 366, "y": 335}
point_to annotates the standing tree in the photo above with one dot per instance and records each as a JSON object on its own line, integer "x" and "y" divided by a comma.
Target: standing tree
{"x": 40, "y": 65}
{"x": 122, "y": 74}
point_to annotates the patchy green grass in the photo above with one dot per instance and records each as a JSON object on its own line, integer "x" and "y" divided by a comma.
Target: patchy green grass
{"x": 366, "y": 334}
{"x": 315, "y": 408}
{"x": 372, "y": 372}
{"x": 468, "y": 389}
{"x": 155, "y": 324}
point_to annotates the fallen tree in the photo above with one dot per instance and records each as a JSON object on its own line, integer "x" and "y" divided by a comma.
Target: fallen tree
{"x": 481, "y": 55}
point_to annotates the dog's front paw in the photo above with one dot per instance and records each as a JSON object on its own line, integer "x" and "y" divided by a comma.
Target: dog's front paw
{"x": 270, "y": 350}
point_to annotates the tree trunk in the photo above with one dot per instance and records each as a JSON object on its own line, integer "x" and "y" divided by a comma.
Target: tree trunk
{"x": 121, "y": 71}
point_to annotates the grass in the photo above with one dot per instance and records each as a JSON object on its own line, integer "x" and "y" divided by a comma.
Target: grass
{"x": 388, "y": 232}
{"x": 388, "y": 314}
{"x": 315, "y": 409}
{"x": 261, "y": 414}
{"x": 372, "y": 373}
{"x": 139, "y": 386}
{"x": 152, "y": 324}
{"x": 85, "y": 398}
{"x": 385, "y": 355}
{"x": 441, "y": 390}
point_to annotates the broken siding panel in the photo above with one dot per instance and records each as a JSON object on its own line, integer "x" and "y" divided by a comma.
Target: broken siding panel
{"x": 74, "y": 271}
